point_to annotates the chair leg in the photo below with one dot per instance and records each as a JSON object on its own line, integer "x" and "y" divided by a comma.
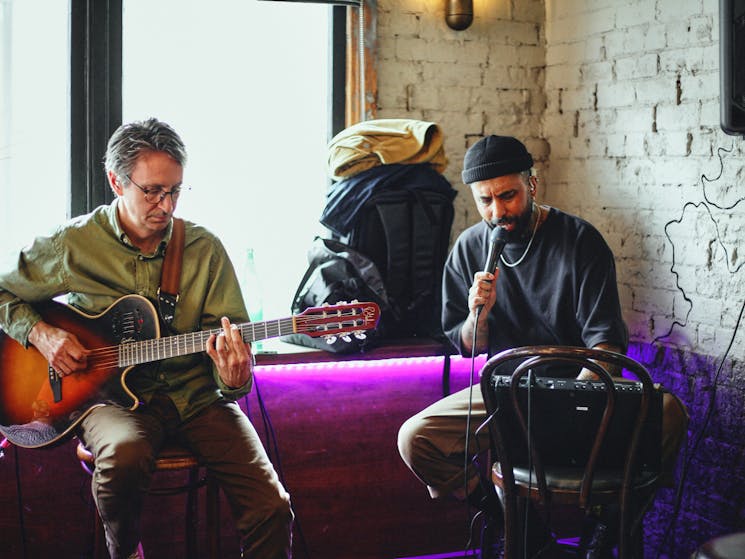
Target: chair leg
{"x": 192, "y": 514}
{"x": 491, "y": 536}
{"x": 213, "y": 518}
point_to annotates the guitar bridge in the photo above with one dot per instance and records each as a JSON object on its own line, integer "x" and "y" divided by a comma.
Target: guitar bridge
{"x": 55, "y": 381}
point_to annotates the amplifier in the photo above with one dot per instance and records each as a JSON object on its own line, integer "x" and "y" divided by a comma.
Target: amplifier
{"x": 566, "y": 414}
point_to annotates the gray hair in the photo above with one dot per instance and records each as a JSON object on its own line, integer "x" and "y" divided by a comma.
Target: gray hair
{"x": 130, "y": 140}
{"x": 525, "y": 175}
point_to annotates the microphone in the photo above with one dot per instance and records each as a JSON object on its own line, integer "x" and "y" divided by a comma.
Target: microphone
{"x": 497, "y": 240}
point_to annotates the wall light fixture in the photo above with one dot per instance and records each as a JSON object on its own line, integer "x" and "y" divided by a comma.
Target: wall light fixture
{"x": 458, "y": 13}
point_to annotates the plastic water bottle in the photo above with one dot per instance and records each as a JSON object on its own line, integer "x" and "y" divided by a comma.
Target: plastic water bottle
{"x": 252, "y": 293}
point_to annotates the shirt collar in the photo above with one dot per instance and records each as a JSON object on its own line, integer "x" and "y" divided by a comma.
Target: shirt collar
{"x": 113, "y": 218}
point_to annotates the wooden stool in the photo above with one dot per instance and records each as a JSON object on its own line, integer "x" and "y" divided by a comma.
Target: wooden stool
{"x": 172, "y": 458}
{"x": 731, "y": 546}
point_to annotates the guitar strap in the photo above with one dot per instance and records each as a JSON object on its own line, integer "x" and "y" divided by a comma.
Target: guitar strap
{"x": 170, "y": 275}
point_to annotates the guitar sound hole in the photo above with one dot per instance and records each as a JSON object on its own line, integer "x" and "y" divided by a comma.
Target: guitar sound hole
{"x": 138, "y": 321}
{"x": 116, "y": 329}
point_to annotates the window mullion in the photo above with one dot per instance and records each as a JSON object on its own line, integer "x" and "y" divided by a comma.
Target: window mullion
{"x": 95, "y": 97}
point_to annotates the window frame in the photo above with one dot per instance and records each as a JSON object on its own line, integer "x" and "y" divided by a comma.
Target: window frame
{"x": 96, "y": 92}
{"x": 95, "y": 98}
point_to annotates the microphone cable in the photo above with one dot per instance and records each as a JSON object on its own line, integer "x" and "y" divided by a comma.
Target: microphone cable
{"x": 467, "y": 460}
{"x": 529, "y": 425}
{"x": 497, "y": 239}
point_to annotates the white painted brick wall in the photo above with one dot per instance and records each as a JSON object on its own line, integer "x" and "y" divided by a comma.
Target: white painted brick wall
{"x": 486, "y": 79}
{"x": 619, "y": 101}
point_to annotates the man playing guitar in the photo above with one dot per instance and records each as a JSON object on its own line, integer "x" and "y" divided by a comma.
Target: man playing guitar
{"x": 118, "y": 250}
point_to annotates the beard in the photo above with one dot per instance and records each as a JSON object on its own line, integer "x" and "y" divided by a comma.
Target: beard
{"x": 522, "y": 221}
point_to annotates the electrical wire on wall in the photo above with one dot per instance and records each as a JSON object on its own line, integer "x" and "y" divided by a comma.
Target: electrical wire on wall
{"x": 707, "y": 204}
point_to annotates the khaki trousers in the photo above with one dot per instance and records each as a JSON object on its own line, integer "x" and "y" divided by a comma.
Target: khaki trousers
{"x": 125, "y": 443}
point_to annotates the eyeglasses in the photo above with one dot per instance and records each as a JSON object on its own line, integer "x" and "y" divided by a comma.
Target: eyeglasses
{"x": 156, "y": 196}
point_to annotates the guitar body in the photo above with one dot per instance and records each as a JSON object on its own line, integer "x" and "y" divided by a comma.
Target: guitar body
{"x": 30, "y": 415}
{"x": 39, "y": 408}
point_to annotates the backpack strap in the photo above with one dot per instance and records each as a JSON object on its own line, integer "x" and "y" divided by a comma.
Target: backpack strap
{"x": 395, "y": 221}
{"x": 410, "y": 228}
{"x": 170, "y": 275}
{"x": 426, "y": 219}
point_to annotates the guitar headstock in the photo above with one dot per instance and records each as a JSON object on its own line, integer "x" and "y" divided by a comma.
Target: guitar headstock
{"x": 339, "y": 320}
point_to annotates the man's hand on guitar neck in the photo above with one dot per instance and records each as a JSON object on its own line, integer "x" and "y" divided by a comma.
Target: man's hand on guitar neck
{"x": 231, "y": 355}
{"x": 62, "y": 350}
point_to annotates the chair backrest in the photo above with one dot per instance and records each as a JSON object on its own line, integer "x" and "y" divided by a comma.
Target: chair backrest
{"x": 526, "y": 415}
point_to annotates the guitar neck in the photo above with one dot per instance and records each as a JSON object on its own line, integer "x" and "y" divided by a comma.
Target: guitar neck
{"x": 135, "y": 353}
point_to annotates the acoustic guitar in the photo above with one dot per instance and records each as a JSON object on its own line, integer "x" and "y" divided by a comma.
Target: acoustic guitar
{"x": 39, "y": 408}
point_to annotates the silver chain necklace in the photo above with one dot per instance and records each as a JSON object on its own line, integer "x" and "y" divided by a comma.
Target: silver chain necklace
{"x": 527, "y": 248}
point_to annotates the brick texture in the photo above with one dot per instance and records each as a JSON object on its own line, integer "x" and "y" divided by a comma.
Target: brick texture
{"x": 619, "y": 101}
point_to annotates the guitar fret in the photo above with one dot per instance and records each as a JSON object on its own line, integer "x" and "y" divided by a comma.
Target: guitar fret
{"x": 155, "y": 349}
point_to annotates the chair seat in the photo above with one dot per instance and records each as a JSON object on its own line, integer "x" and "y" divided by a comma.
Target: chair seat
{"x": 570, "y": 479}
{"x": 171, "y": 457}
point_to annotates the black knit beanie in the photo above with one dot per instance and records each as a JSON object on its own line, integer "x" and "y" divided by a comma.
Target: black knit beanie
{"x": 495, "y": 156}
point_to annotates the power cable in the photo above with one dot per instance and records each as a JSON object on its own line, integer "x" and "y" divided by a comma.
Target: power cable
{"x": 691, "y": 449}
{"x": 21, "y": 520}
{"x": 273, "y": 450}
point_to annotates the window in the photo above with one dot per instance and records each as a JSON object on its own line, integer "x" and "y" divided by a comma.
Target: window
{"x": 246, "y": 86}
{"x": 34, "y": 130}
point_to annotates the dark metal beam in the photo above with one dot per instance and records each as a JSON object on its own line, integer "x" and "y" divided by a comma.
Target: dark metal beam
{"x": 338, "y": 73}
{"x": 96, "y": 105}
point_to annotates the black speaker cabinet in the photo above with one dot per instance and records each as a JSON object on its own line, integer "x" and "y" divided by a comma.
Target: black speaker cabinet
{"x": 732, "y": 65}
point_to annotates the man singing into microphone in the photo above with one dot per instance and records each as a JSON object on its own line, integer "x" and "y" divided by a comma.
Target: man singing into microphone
{"x": 555, "y": 285}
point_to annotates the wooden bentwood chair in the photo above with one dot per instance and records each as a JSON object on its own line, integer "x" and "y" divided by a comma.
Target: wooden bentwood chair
{"x": 610, "y": 455}
{"x": 174, "y": 458}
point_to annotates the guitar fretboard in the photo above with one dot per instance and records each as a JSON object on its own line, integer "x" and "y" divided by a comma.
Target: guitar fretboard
{"x": 134, "y": 353}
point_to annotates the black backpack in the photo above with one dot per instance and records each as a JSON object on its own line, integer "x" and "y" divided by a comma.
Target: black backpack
{"x": 337, "y": 273}
{"x": 400, "y": 216}
{"x": 406, "y": 234}
{"x": 391, "y": 233}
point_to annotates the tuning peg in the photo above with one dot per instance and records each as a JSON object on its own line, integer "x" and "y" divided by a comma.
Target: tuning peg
{"x": 346, "y": 338}
{"x": 325, "y": 304}
{"x": 330, "y": 339}
{"x": 354, "y": 301}
{"x": 360, "y": 335}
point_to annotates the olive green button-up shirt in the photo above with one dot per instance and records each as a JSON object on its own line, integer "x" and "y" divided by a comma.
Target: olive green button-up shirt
{"x": 91, "y": 260}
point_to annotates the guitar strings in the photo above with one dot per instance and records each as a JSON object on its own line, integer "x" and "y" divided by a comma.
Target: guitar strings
{"x": 110, "y": 356}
